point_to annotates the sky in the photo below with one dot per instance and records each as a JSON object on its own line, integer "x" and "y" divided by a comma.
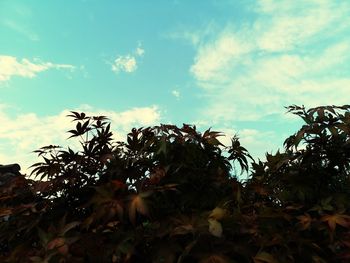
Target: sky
{"x": 227, "y": 64}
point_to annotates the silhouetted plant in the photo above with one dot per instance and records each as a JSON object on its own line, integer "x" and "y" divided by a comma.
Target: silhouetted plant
{"x": 169, "y": 194}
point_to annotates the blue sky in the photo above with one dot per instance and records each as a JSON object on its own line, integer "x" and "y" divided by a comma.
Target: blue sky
{"x": 230, "y": 65}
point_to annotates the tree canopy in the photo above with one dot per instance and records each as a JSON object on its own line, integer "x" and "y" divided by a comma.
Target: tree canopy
{"x": 170, "y": 194}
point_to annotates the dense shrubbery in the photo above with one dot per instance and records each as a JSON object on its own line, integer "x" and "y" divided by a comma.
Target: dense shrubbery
{"x": 169, "y": 195}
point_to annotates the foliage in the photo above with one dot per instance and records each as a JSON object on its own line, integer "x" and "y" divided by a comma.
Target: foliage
{"x": 169, "y": 194}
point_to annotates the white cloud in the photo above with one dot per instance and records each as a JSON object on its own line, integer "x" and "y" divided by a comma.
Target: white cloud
{"x": 128, "y": 63}
{"x": 124, "y": 63}
{"x": 294, "y": 52}
{"x": 139, "y": 51}
{"x": 292, "y": 23}
{"x": 124, "y": 121}
{"x": 212, "y": 58}
{"x": 175, "y": 93}
{"x": 22, "y": 134}
{"x": 10, "y": 66}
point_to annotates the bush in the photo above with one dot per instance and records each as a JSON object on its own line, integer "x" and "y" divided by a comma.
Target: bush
{"x": 169, "y": 194}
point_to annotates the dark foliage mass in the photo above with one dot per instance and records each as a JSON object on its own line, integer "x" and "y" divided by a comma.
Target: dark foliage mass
{"x": 169, "y": 194}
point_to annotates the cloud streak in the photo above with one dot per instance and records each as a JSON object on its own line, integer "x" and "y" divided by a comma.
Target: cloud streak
{"x": 11, "y": 66}
{"x": 21, "y": 29}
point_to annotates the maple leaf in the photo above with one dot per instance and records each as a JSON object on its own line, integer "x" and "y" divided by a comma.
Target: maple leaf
{"x": 336, "y": 219}
{"x": 41, "y": 186}
{"x": 215, "y": 259}
{"x": 5, "y": 211}
{"x": 218, "y": 213}
{"x": 56, "y": 243}
{"x": 304, "y": 221}
{"x": 68, "y": 227}
{"x": 215, "y": 227}
{"x": 116, "y": 207}
{"x": 118, "y": 184}
{"x": 264, "y": 257}
{"x": 182, "y": 230}
{"x": 138, "y": 204}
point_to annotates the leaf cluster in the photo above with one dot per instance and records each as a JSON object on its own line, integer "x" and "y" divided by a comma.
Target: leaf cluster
{"x": 170, "y": 194}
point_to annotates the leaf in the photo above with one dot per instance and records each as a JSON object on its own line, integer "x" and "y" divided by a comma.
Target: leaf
{"x": 44, "y": 237}
{"x": 88, "y": 221}
{"x": 60, "y": 244}
{"x": 117, "y": 184}
{"x": 116, "y": 207}
{"x": 106, "y": 158}
{"x": 213, "y": 141}
{"x": 215, "y": 227}
{"x": 6, "y": 197}
{"x": 42, "y": 260}
{"x": 57, "y": 242}
{"x": 215, "y": 259}
{"x": 5, "y": 211}
{"x": 218, "y": 213}
{"x": 41, "y": 186}
{"x": 186, "y": 251}
{"x": 304, "y": 221}
{"x": 162, "y": 146}
{"x": 68, "y": 227}
{"x": 263, "y": 257}
{"x": 318, "y": 259}
{"x": 74, "y": 132}
{"x": 38, "y": 259}
{"x": 139, "y": 205}
{"x": 166, "y": 187}
{"x": 182, "y": 230}
{"x": 336, "y": 219}
{"x": 299, "y": 136}
{"x": 145, "y": 194}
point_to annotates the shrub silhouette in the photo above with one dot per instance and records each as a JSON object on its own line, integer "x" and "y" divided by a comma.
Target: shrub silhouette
{"x": 169, "y": 194}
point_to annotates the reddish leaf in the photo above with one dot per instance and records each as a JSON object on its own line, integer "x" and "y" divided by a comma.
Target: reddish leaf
{"x": 264, "y": 257}
{"x": 4, "y": 211}
{"x": 304, "y": 221}
{"x": 118, "y": 184}
{"x": 56, "y": 242}
{"x": 336, "y": 219}
{"x": 215, "y": 259}
{"x": 138, "y": 204}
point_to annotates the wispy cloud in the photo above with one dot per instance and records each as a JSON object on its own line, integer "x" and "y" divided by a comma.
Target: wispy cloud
{"x": 176, "y": 93}
{"x": 189, "y": 36}
{"x": 293, "y": 23}
{"x": 22, "y": 134}
{"x": 291, "y": 52}
{"x": 215, "y": 56}
{"x": 128, "y": 63}
{"x": 21, "y": 29}
{"x": 139, "y": 51}
{"x": 11, "y": 66}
